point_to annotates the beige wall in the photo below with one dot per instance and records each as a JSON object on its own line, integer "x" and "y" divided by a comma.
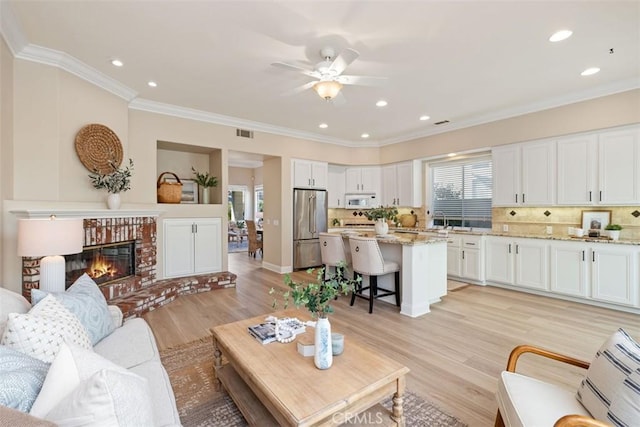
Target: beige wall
{"x": 39, "y": 166}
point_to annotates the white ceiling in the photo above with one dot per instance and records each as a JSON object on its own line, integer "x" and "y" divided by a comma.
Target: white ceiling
{"x": 467, "y": 62}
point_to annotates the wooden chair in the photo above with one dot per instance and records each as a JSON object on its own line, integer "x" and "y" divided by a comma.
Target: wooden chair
{"x": 255, "y": 243}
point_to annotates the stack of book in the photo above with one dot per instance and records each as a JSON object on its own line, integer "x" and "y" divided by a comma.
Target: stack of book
{"x": 263, "y": 332}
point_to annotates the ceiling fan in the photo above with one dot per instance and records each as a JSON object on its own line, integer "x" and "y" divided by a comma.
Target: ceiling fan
{"x": 328, "y": 73}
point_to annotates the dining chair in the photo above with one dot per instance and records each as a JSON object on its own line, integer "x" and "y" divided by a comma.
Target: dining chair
{"x": 255, "y": 242}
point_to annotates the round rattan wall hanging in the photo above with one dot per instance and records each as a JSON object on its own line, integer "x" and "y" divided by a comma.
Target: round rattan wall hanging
{"x": 98, "y": 148}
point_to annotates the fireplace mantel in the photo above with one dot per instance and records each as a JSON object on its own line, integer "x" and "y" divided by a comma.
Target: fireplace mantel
{"x": 85, "y": 213}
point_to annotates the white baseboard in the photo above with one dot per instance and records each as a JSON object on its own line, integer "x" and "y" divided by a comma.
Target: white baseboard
{"x": 277, "y": 268}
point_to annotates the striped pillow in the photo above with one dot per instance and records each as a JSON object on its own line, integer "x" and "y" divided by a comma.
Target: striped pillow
{"x": 611, "y": 389}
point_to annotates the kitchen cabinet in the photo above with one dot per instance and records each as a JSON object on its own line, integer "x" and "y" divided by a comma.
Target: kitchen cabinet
{"x": 465, "y": 257}
{"x": 518, "y": 262}
{"x": 309, "y": 174}
{"x": 568, "y": 268}
{"x": 336, "y": 186}
{"x": 192, "y": 246}
{"x": 524, "y": 174}
{"x": 401, "y": 184}
{"x": 599, "y": 168}
{"x": 454, "y": 261}
{"x": 363, "y": 180}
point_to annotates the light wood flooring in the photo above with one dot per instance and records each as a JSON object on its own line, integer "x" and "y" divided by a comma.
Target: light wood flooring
{"x": 455, "y": 353}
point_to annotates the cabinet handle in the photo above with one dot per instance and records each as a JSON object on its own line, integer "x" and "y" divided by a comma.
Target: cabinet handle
{"x": 462, "y": 254}
{"x": 593, "y": 256}
{"x": 516, "y": 197}
{"x": 582, "y": 255}
{"x": 470, "y": 244}
{"x": 509, "y": 247}
{"x": 590, "y": 196}
{"x": 517, "y": 249}
{"x": 314, "y": 182}
{"x": 600, "y": 195}
{"x": 522, "y": 197}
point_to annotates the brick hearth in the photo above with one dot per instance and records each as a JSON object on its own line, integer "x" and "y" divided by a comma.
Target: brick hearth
{"x": 140, "y": 293}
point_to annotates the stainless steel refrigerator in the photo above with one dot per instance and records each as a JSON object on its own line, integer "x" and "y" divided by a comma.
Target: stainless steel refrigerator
{"x": 309, "y": 219}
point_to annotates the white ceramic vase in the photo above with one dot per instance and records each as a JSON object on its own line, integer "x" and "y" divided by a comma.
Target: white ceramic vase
{"x": 614, "y": 234}
{"x": 113, "y": 201}
{"x": 381, "y": 226}
{"x": 323, "y": 357}
{"x": 205, "y": 196}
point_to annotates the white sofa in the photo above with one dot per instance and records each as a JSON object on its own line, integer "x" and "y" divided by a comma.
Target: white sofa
{"x": 131, "y": 345}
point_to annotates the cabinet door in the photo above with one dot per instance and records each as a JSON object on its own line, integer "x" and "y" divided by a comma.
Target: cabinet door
{"x": 319, "y": 175}
{"x": 531, "y": 264}
{"x": 389, "y": 186}
{"x": 619, "y": 166}
{"x": 577, "y": 173}
{"x": 207, "y": 246}
{"x": 409, "y": 176}
{"x": 336, "y": 187}
{"x": 302, "y": 174}
{"x": 178, "y": 247}
{"x": 454, "y": 262}
{"x": 499, "y": 260}
{"x": 613, "y": 274}
{"x": 472, "y": 264}
{"x": 353, "y": 180}
{"x": 568, "y": 268}
{"x": 506, "y": 175}
{"x": 371, "y": 179}
{"x": 538, "y": 173}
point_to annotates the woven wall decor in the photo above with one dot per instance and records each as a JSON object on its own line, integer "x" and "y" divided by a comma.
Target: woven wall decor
{"x": 98, "y": 148}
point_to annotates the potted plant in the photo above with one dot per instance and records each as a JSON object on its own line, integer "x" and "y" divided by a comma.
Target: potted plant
{"x": 317, "y": 297}
{"x": 613, "y": 230}
{"x": 205, "y": 181}
{"x": 115, "y": 182}
{"x": 381, "y": 215}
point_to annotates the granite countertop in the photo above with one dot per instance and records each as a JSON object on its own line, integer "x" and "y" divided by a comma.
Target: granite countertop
{"x": 410, "y": 239}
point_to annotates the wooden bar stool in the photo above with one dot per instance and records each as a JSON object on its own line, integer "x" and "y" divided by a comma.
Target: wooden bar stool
{"x": 333, "y": 252}
{"x": 367, "y": 261}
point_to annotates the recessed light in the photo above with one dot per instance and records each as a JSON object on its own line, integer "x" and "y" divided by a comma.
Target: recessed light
{"x": 424, "y": 118}
{"x": 590, "y": 71}
{"x": 117, "y": 63}
{"x": 381, "y": 103}
{"x": 364, "y": 135}
{"x": 558, "y": 36}
{"x": 323, "y": 125}
{"x": 451, "y": 154}
{"x": 152, "y": 84}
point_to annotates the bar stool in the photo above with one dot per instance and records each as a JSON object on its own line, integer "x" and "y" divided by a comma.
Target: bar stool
{"x": 333, "y": 252}
{"x": 367, "y": 260}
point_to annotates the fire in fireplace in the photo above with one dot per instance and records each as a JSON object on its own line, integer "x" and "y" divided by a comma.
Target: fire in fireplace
{"x": 103, "y": 264}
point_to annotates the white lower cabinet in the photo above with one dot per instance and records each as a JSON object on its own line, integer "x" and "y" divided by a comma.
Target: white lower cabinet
{"x": 568, "y": 269}
{"x": 614, "y": 276}
{"x": 465, "y": 257}
{"x": 192, "y": 246}
{"x": 454, "y": 261}
{"x": 517, "y": 262}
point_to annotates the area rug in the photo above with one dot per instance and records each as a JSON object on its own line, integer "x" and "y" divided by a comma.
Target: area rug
{"x": 238, "y": 247}
{"x": 190, "y": 369}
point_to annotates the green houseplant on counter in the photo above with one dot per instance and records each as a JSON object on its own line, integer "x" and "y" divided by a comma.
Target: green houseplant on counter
{"x": 614, "y": 231}
{"x": 115, "y": 182}
{"x": 381, "y": 216}
{"x": 205, "y": 181}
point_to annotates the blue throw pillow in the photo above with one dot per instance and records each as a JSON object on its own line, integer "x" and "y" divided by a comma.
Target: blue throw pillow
{"x": 85, "y": 300}
{"x": 21, "y": 378}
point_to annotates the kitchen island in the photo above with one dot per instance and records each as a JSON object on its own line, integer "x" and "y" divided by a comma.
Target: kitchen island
{"x": 423, "y": 268}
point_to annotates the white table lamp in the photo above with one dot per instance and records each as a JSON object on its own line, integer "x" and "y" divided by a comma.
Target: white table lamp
{"x": 51, "y": 238}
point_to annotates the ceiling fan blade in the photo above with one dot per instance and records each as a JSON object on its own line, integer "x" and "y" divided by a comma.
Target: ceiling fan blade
{"x": 362, "y": 80}
{"x": 301, "y": 70}
{"x": 343, "y": 60}
{"x": 299, "y": 89}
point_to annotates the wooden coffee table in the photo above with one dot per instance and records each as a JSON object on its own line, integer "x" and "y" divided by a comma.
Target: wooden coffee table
{"x": 273, "y": 384}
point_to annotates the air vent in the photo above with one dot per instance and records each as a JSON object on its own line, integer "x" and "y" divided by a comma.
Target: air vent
{"x": 441, "y": 122}
{"x": 243, "y": 133}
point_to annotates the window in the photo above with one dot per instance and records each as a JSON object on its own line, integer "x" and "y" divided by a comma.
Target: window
{"x": 237, "y": 202}
{"x": 461, "y": 193}
{"x": 258, "y": 202}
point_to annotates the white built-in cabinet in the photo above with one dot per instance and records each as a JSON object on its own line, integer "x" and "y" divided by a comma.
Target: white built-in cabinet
{"x": 365, "y": 179}
{"x": 192, "y": 246}
{"x": 309, "y": 174}
{"x": 524, "y": 174}
{"x": 336, "y": 186}
{"x": 517, "y": 262}
{"x": 465, "y": 257}
{"x": 402, "y": 184}
{"x": 599, "y": 271}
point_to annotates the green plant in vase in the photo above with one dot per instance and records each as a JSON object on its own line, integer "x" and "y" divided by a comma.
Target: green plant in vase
{"x": 381, "y": 216}
{"x": 613, "y": 230}
{"x": 206, "y": 181}
{"x": 115, "y": 182}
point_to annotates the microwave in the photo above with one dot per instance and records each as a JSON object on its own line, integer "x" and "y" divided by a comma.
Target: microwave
{"x": 360, "y": 201}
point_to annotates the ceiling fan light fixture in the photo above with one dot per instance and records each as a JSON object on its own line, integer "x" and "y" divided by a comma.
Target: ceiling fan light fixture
{"x": 327, "y": 89}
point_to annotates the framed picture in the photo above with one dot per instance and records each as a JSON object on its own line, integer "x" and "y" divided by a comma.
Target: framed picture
{"x": 189, "y": 190}
{"x": 595, "y": 220}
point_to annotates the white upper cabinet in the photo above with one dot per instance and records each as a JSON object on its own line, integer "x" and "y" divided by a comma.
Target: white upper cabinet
{"x": 336, "y": 186}
{"x": 401, "y": 184}
{"x": 363, "y": 180}
{"x": 309, "y": 174}
{"x": 524, "y": 174}
{"x": 600, "y": 169}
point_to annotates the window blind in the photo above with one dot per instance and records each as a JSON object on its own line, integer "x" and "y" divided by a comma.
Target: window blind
{"x": 462, "y": 191}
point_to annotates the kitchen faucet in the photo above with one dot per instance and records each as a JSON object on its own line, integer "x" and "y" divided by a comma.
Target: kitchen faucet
{"x": 444, "y": 218}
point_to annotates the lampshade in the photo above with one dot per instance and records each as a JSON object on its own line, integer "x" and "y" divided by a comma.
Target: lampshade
{"x": 50, "y": 236}
{"x": 327, "y": 89}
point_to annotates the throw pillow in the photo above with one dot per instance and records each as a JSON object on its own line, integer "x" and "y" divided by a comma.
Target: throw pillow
{"x": 611, "y": 389}
{"x": 21, "y": 379}
{"x": 83, "y": 388}
{"x": 86, "y": 301}
{"x": 11, "y": 302}
{"x": 41, "y": 331}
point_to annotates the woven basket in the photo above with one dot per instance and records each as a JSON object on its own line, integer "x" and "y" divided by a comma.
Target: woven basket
{"x": 169, "y": 192}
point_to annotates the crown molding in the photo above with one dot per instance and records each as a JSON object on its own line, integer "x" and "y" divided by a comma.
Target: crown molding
{"x": 10, "y": 29}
